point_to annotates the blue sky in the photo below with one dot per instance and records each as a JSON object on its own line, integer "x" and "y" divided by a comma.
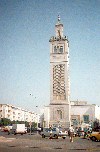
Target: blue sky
{"x": 25, "y": 29}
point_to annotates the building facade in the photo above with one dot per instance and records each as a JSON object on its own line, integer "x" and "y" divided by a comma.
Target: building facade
{"x": 16, "y": 113}
{"x": 84, "y": 113}
{"x": 59, "y": 78}
{"x": 81, "y": 113}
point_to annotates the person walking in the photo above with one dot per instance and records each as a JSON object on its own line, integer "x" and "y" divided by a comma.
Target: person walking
{"x": 50, "y": 133}
{"x": 71, "y": 133}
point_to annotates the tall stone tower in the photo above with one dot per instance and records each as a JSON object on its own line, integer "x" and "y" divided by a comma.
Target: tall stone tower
{"x": 59, "y": 78}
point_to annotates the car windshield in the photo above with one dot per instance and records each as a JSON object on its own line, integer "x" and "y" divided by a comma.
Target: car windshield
{"x": 54, "y": 129}
{"x": 46, "y": 129}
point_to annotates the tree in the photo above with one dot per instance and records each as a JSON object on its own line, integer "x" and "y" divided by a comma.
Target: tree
{"x": 5, "y": 122}
{"x": 34, "y": 124}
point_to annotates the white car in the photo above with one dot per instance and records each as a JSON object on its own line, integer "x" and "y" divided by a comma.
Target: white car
{"x": 54, "y": 132}
{"x": 63, "y": 133}
{"x": 48, "y": 132}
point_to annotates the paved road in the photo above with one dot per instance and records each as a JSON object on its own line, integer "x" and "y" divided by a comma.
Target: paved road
{"x": 34, "y": 143}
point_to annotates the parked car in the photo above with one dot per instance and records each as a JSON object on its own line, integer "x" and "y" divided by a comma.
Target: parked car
{"x": 95, "y": 136}
{"x": 47, "y": 132}
{"x": 63, "y": 133}
{"x": 54, "y": 132}
{"x": 32, "y": 129}
{"x": 7, "y": 128}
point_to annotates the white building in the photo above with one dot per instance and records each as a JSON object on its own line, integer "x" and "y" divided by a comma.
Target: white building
{"x": 15, "y": 113}
{"x": 80, "y": 113}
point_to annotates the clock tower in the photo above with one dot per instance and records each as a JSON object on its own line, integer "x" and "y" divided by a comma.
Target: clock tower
{"x": 59, "y": 78}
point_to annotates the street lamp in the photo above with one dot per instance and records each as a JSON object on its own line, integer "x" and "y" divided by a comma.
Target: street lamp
{"x": 36, "y": 114}
{"x": 37, "y": 120}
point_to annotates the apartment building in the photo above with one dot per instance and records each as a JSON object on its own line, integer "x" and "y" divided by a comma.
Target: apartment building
{"x": 16, "y": 113}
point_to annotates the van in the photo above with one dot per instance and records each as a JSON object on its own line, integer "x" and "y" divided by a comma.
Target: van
{"x": 18, "y": 129}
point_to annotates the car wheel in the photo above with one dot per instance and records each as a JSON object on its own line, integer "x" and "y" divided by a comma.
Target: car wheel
{"x": 93, "y": 138}
{"x": 43, "y": 136}
{"x": 63, "y": 137}
{"x": 56, "y": 136}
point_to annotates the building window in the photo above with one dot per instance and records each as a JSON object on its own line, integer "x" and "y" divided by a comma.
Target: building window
{"x": 58, "y": 49}
{"x": 61, "y": 49}
{"x": 86, "y": 118}
{"x": 55, "y": 49}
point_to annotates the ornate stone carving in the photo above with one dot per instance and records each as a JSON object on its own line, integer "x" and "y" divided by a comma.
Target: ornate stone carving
{"x": 59, "y": 81}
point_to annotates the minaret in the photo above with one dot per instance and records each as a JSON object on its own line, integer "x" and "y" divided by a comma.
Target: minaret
{"x": 59, "y": 78}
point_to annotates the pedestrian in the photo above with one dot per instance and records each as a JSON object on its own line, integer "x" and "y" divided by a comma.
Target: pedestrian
{"x": 85, "y": 132}
{"x": 71, "y": 133}
{"x": 50, "y": 133}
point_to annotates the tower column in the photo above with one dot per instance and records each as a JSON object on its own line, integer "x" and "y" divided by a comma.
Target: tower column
{"x": 59, "y": 78}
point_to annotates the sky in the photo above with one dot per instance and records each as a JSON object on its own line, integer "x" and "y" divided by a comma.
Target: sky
{"x": 25, "y": 29}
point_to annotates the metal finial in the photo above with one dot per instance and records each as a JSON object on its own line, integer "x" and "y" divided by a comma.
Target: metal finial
{"x": 58, "y": 18}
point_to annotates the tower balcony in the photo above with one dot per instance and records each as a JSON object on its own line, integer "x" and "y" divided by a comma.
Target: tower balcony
{"x": 53, "y": 38}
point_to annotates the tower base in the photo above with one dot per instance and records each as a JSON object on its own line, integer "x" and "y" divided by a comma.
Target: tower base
{"x": 59, "y": 115}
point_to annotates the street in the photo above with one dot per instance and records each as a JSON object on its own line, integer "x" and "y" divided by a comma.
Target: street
{"x": 35, "y": 143}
